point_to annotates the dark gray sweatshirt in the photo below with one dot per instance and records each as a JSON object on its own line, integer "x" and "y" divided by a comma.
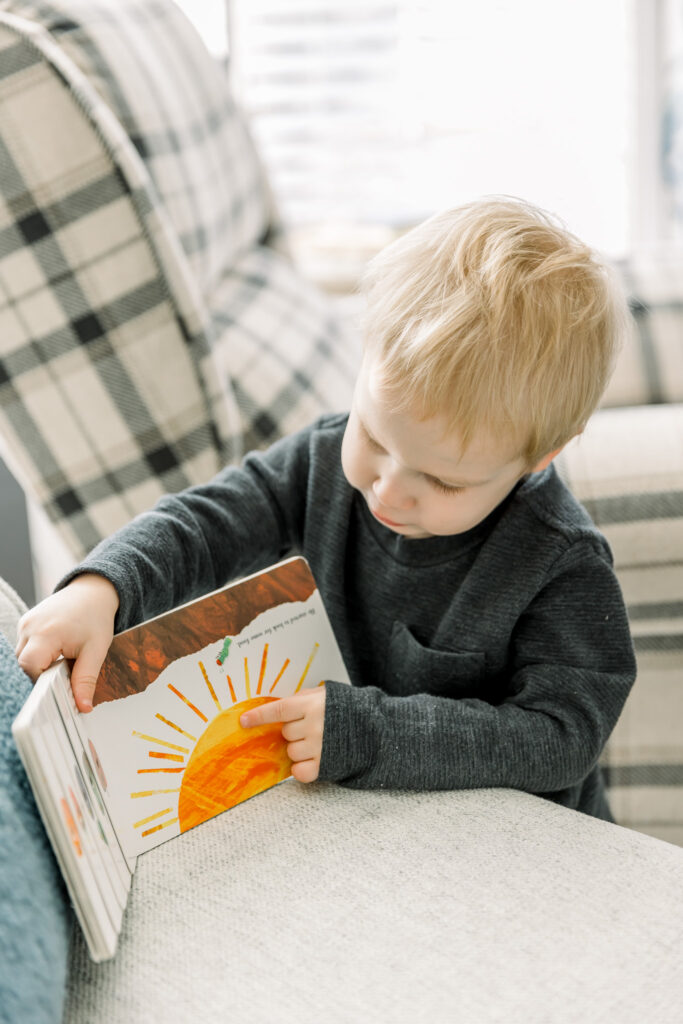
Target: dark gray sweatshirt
{"x": 496, "y": 657}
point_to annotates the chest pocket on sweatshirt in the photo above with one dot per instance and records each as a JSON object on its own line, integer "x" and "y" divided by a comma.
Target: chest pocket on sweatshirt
{"x": 413, "y": 668}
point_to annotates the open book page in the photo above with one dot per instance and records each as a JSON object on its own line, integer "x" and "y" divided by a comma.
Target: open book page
{"x": 164, "y": 735}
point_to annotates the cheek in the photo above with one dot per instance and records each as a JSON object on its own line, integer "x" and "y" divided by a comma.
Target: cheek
{"x": 444, "y": 516}
{"x": 473, "y": 507}
{"x": 352, "y": 463}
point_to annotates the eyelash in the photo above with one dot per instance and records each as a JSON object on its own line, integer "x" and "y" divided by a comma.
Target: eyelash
{"x": 375, "y": 445}
{"x": 444, "y": 488}
{"x": 437, "y": 484}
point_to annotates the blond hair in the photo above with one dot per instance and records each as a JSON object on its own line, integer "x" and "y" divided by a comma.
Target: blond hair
{"x": 492, "y": 315}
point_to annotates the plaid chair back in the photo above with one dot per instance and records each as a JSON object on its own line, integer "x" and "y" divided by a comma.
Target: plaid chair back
{"x": 146, "y": 337}
{"x": 149, "y": 68}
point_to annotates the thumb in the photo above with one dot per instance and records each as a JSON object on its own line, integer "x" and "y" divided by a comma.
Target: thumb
{"x": 84, "y": 673}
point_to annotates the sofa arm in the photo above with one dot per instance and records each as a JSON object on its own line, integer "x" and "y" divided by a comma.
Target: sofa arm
{"x": 319, "y": 903}
{"x": 627, "y": 469}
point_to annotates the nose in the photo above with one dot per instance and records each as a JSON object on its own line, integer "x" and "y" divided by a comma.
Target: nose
{"x": 392, "y": 489}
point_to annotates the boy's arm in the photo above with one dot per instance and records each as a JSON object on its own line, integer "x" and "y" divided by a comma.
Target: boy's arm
{"x": 195, "y": 541}
{"x": 187, "y": 545}
{"x": 571, "y": 669}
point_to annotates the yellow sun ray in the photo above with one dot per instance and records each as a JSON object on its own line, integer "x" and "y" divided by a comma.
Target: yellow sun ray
{"x": 154, "y": 792}
{"x": 166, "y": 757}
{"x": 232, "y": 690}
{"x": 167, "y": 721}
{"x": 152, "y": 817}
{"x": 246, "y": 679}
{"x": 156, "y": 828}
{"x": 208, "y": 683}
{"x": 164, "y": 743}
{"x": 189, "y": 703}
{"x": 264, "y": 659}
{"x": 169, "y": 771}
{"x": 308, "y": 665}
{"x": 278, "y": 677}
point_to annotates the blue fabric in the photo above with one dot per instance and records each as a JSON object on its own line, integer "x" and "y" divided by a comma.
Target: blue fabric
{"x": 35, "y": 916}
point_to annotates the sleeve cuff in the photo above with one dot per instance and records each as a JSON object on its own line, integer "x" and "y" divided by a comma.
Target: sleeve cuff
{"x": 348, "y": 741}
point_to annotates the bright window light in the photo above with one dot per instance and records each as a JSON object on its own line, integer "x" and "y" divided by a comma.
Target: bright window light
{"x": 379, "y": 113}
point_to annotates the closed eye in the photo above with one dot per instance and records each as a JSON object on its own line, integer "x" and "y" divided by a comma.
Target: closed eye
{"x": 439, "y": 485}
{"x": 433, "y": 481}
{"x": 370, "y": 441}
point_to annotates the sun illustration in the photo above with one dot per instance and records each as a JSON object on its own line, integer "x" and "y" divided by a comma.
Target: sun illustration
{"x": 218, "y": 764}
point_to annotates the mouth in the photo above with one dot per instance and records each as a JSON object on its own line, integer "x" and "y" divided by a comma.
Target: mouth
{"x": 387, "y": 522}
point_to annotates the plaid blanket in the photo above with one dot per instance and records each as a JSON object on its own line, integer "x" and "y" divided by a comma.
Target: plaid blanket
{"x": 146, "y": 335}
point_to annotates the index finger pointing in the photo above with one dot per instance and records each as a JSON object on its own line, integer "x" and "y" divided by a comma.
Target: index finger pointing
{"x": 275, "y": 711}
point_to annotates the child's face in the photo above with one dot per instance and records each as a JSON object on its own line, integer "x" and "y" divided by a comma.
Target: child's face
{"x": 416, "y": 480}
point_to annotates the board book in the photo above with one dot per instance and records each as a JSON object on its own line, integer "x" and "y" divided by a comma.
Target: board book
{"x": 163, "y": 750}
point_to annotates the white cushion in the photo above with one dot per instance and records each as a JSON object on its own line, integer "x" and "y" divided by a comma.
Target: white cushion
{"x": 317, "y": 904}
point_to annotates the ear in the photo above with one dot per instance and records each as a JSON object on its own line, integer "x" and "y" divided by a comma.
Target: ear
{"x": 546, "y": 460}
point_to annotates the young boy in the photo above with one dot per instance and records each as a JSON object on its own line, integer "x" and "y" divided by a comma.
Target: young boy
{"x": 473, "y": 600}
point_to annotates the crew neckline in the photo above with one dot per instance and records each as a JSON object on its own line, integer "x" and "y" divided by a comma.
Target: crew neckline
{"x": 430, "y": 550}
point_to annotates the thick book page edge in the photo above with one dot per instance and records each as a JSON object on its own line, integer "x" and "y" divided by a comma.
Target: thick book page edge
{"x": 100, "y": 936}
{"x": 100, "y": 891}
{"x": 72, "y": 719}
{"x": 96, "y": 848}
{"x": 108, "y": 846}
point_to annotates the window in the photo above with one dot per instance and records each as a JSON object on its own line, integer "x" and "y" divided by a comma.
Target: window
{"x": 372, "y": 114}
{"x": 385, "y": 112}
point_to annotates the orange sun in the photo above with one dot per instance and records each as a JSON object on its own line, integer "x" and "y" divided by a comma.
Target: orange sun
{"x": 229, "y": 764}
{"x": 223, "y": 763}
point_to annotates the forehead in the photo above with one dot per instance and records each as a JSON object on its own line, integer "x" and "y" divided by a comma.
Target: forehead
{"x": 427, "y": 444}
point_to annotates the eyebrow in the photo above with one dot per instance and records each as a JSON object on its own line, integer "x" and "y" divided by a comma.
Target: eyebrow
{"x": 432, "y": 476}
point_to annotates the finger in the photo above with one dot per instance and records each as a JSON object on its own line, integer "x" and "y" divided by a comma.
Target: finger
{"x": 36, "y": 655}
{"x": 276, "y": 711}
{"x": 302, "y": 750}
{"x": 294, "y": 730}
{"x": 306, "y": 771}
{"x": 84, "y": 673}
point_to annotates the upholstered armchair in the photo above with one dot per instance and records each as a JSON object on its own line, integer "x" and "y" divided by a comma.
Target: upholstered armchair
{"x": 150, "y": 330}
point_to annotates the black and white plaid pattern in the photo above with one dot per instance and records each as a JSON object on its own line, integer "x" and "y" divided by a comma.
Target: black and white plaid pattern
{"x": 627, "y": 469}
{"x": 284, "y": 347}
{"x": 128, "y": 189}
{"x": 148, "y": 66}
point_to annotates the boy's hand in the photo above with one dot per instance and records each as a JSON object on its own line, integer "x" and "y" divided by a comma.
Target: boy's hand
{"x": 303, "y": 716}
{"x": 76, "y": 622}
